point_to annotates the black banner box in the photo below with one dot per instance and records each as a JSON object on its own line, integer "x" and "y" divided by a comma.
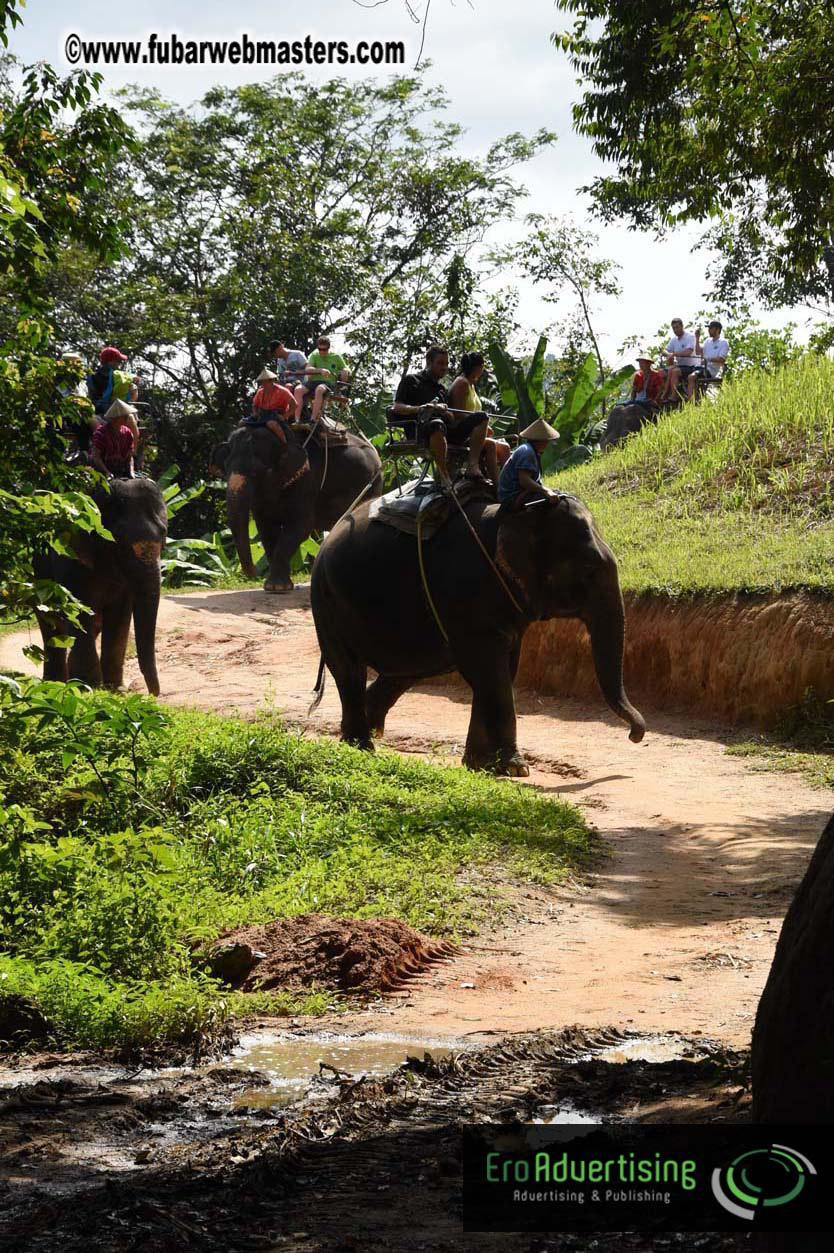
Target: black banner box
{"x": 648, "y": 1177}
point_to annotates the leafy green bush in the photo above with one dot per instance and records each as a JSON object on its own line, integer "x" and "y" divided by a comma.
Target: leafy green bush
{"x": 130, "y": 838}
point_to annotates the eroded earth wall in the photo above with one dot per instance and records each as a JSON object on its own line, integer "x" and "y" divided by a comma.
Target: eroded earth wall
{"x": 741, "y": 658}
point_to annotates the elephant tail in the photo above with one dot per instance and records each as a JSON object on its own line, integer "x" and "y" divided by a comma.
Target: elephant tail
{"x": 319, "y": 688}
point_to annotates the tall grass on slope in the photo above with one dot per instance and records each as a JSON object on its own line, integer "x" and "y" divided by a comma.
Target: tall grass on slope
{"x": 733, "y": 494}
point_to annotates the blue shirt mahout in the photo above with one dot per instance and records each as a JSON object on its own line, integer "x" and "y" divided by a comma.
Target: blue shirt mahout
{"x": 526, "y": 458}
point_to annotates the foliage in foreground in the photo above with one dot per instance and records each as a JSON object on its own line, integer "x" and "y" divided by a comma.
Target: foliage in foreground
{"x": 734, "y": 495}
{"x": 130, "y": 838}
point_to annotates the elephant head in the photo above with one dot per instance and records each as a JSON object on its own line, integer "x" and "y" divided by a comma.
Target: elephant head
{"x": 563, "y": 568}
{"x": 254, "y": 459}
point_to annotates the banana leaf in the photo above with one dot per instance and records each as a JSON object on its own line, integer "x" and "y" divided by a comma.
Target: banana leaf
{"x": 579, "y": 392}
{"x": 504, "y": 369}
{"x": 534, "y": 383}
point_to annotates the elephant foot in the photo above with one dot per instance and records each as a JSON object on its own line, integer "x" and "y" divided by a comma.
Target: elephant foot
{"x": 278, "y": 587}
{"x": 367, "y": 745}
{"x": 516, "y": 767}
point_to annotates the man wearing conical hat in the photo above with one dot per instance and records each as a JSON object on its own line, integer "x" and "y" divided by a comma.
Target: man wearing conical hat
{"x": 113, "y": 442}
{"x": 272, "y": 404}
{"x": 523, "y": 471}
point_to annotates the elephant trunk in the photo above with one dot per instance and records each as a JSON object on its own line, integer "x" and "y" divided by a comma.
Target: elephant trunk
{"x": 145, "y": 610}
{"x": 238, "y": 504}
{"x": 606, "y": 626}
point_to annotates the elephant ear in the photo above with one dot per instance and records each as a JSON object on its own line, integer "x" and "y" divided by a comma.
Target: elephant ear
{"x": 219, "y": 457}
{"x": 515, "y": 551}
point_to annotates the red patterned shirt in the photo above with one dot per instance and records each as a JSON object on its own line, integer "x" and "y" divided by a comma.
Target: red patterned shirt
{"x": 115, "y": 445}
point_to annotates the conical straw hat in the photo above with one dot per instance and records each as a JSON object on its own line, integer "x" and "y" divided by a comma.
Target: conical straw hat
{"x": 265, "y": 375}
{"x": 120, "y": 409}
{"x": 540, "y": 430}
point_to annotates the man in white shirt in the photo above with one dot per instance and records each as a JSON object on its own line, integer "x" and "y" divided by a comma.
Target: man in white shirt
{"x": 290, "y": 363}
{"x": 713, "y": 353}
{"x": 680, "y": 357}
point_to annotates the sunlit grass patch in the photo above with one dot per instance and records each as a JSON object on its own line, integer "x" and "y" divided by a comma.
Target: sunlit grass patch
{"x": 735, "y": 495}
{"x": 124, "y": 854}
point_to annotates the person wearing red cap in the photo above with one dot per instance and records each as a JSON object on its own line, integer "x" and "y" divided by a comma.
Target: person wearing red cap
{"x": 107, "y": 383}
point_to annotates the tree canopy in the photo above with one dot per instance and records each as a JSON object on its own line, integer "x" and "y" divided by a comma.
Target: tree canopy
{"x": 716, "y": 110}
{"x": 285, "y": 209}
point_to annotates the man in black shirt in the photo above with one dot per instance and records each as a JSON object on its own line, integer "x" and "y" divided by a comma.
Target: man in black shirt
{"x": 422, "y": 395}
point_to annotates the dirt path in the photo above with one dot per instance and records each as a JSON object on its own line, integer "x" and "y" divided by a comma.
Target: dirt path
{"x": 677, "y": 929}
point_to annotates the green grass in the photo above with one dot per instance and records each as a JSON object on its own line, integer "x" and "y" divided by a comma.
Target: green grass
{"x": 803, "y": 743}
{"x": 735, "y": 495}
{"x": 110, "y": 892}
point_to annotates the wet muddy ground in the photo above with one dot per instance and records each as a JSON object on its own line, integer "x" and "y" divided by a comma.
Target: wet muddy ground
{"x": 366, "y": 1155}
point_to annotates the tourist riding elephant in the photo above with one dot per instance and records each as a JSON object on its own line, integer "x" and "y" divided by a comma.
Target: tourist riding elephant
{"x": 291, "y": 491}
{"x": 116, "y": 580}
{"x": 371, "y": 608}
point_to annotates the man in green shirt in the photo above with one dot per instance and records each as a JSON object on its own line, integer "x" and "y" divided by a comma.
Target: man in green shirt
{"x": 324, "y": 368}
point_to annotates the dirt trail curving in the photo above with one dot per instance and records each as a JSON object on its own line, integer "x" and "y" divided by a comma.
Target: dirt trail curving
{"x": 675, "y": 931}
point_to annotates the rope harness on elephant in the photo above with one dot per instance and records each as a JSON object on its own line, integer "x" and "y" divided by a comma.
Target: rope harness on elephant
{"x": 480, "y": 544}
{"x": 490, "y": 562}
{"x": 422, "y": 566}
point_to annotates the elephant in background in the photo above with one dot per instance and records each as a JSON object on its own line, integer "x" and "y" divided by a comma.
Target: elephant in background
{"x": 291, "y": 490}
{"x": 371, "y": 610}
{"x": 624, "y": 420}
{"x": 116, "y": 579}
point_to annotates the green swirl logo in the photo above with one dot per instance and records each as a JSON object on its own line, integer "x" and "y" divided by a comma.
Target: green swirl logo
{"x": 761, "y": 1178}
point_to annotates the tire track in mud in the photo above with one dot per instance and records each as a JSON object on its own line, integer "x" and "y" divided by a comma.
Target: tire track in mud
{"x": 371, "y": 1163}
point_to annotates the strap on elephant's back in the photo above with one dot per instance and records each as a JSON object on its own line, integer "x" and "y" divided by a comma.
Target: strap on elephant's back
{"x": 490, "y": 562}
{"x": 421, "y": 564}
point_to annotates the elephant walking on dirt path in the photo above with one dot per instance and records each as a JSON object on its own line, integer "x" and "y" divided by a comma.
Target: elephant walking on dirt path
{"x": 117, "y": 580}
{"x": 371, "y": 610}
{"x": 291, "y": 490}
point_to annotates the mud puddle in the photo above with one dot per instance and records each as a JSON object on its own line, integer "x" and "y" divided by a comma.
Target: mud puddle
{"x": 64, "y": 1127}
{"x": 221, "y": 1158}
{"x": 303, "y": 1067}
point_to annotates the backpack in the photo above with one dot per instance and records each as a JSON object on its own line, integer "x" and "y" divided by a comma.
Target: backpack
{"x": 100, "y": 386}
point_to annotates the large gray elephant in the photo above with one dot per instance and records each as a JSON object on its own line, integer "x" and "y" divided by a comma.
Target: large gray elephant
{"x": 117, "y": 579}
{"x": 371, "y": 610}
{"x": 291, "y": 490}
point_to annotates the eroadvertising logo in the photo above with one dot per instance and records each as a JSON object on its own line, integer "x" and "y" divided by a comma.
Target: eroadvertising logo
{"x": 646, "y": 1177}
{"x": 761, "y": 1178}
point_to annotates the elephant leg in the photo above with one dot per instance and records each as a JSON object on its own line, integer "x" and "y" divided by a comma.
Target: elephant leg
{"x": 491, "y": 741}
{"x": 83, "y": 659}
{"x": 55, "y": 660}
{"x": 380, "y": 696}
{"x": 114, "y": 632}
{"x": 514, "y": 659}
{"x": 288, "y": 539}
{"x": 351, "y": 677}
